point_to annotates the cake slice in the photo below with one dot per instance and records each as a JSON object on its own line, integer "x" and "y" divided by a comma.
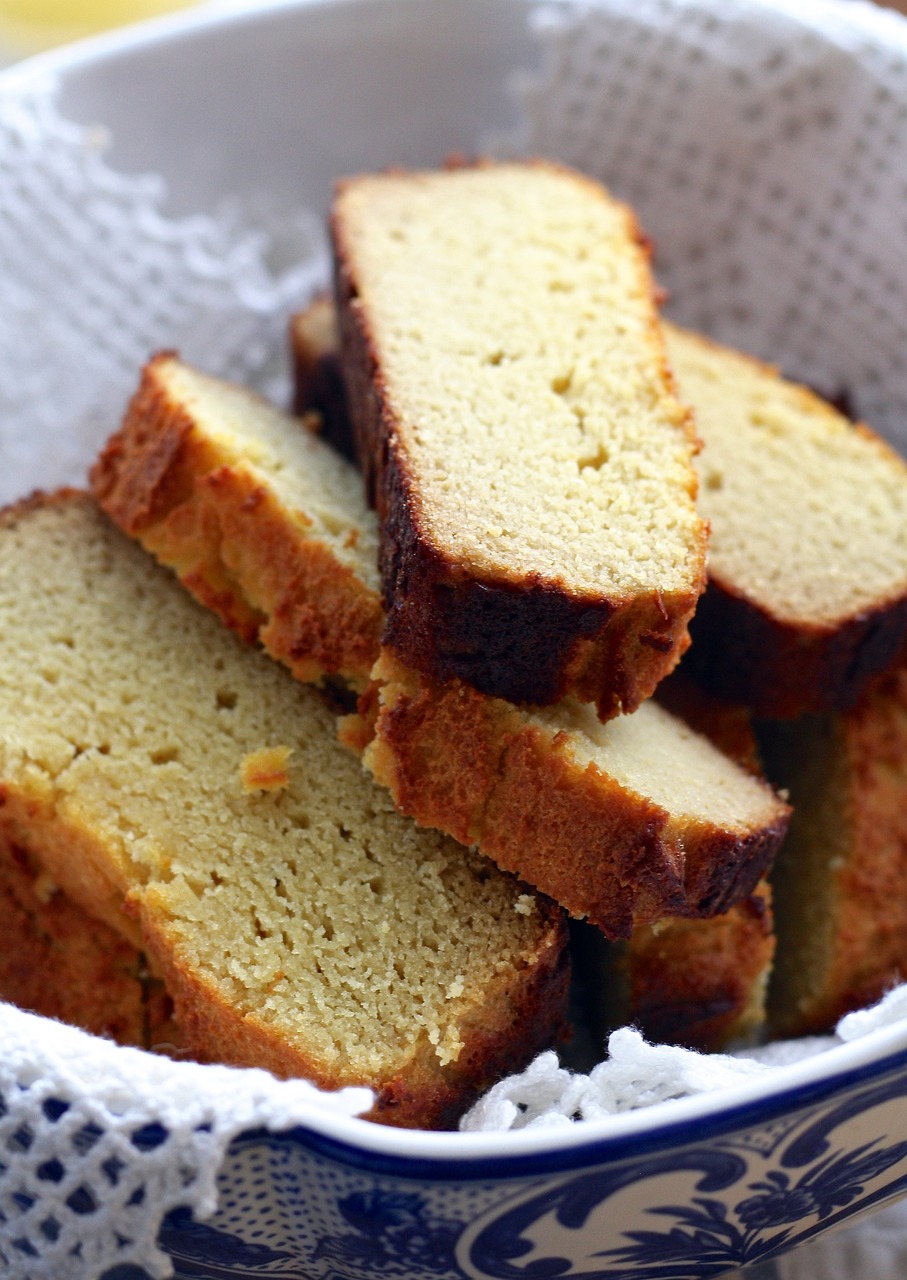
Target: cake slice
{"x": 262, "y": 522}
{"x": 600, "y": 830}
{"x": 807, "y": 595}
{"x": 702, "y": 984}
{"x": 623, "y": 822}
{"x": 839, "y": 881}
{"x": 59, "y": 961}
{"x": 698, "y": 983}
{"x": 517, "y": 426}
{"x": 183, "y": 788}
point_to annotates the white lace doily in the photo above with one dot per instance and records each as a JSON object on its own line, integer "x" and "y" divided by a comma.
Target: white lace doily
{"x": 99, "y": 1143}
{"x": 764, "y": 147}
{"x": 96, "y": 278}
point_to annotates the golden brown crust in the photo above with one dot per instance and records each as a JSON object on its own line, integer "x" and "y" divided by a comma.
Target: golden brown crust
{"x": 530, "y": 640}
{"x": 231, "y": 541}
{"x": 472, "y": 766}
{"x": 72, "y": 857}
{"x": 60, "y": 962}
{"x": 701, "y": 983}
{"x": 509, "y": 1026}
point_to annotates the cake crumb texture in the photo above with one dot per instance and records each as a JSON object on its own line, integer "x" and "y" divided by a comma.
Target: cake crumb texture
{"x": 311, "y": 930}
{"x": 807, "y": 596}
{"x": 517, "y": 426}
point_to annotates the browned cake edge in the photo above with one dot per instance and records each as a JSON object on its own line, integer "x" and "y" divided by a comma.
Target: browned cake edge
{"x": 230, "y": 540}
{"x": 517, "y": 1018}
{"x": 469, "y": 765}
{"x": 59, "y": 961}
{"x": 701, "y": 983}
{"x": 782, "y": 669}
{"x": 529, "y": 641}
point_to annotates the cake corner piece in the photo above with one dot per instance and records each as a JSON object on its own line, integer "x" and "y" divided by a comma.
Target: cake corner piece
{"x": 516, "y": 423}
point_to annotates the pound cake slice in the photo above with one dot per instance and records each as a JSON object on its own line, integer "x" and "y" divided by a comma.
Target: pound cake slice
{"x": 261, "y": 522}
{"x": 185, "y": 789}
{"x": 57, "y": 960}
{"x": 807, "y": 595}
{"x": 516, "y": 423}
{"x": 698, "y": 983}
{"x": 610, "y": 848}
{"x": 839, "y": 881}
{"x": 623, "y": 822}
{"x": 702, "y": 984}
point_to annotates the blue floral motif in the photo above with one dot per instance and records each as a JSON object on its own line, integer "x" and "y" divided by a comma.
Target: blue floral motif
{"x": 199, "y": 1250}
{"x": 813, "y": 1183}
{"x": 716, "y": 1241}
{"x": 393, "y": 1233}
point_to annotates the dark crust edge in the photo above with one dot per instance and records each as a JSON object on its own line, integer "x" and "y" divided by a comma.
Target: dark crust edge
{"x": 782, "y": 670}
{"x": 529, "y": 641}
{"x": 602, "y": 851}
{"x": 694, "y": 986}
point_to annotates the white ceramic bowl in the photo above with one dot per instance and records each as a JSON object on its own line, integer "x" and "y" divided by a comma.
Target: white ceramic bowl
{"x": 283, "y": 98}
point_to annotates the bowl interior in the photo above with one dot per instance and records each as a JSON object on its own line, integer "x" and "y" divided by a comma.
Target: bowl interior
{"x": 283, "y": 99}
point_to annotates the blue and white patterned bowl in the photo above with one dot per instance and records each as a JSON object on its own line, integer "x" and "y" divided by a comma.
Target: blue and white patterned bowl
{"x": 693, "y": 1189}
{"x": 283, "y": 97}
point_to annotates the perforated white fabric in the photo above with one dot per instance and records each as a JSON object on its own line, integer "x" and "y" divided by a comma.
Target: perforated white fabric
{"x": 98, "y": 1143}
{"x": 95, "y": 278}
{"x": 764, "y": 150}
{"x": 784, "y": 233}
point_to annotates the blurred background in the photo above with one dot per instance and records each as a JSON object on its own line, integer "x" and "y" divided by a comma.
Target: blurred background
{"x": 29, "y": 26}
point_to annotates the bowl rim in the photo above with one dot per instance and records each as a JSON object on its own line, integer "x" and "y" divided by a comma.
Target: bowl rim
{"x": 165, "y": 27}
{"x": 755, "y": 1100}
{"x": 751, "y": 1103}
{"x": 220, "y": 14}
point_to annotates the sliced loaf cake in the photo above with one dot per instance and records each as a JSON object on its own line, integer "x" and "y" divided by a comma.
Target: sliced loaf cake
{"x": 623, "y": 822}
{"x": 839, "y": 881}
{"x": 702, "y": 984}
{"x": 699, "y": 983}
{"x": 807, "y": 596}
{"x": 601, "y": 829}
{"x": 58, "y": 960}
{"x": 184, "y": 789}
{"x": 262, "y": 523}
{"x": 516, "y": 422}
